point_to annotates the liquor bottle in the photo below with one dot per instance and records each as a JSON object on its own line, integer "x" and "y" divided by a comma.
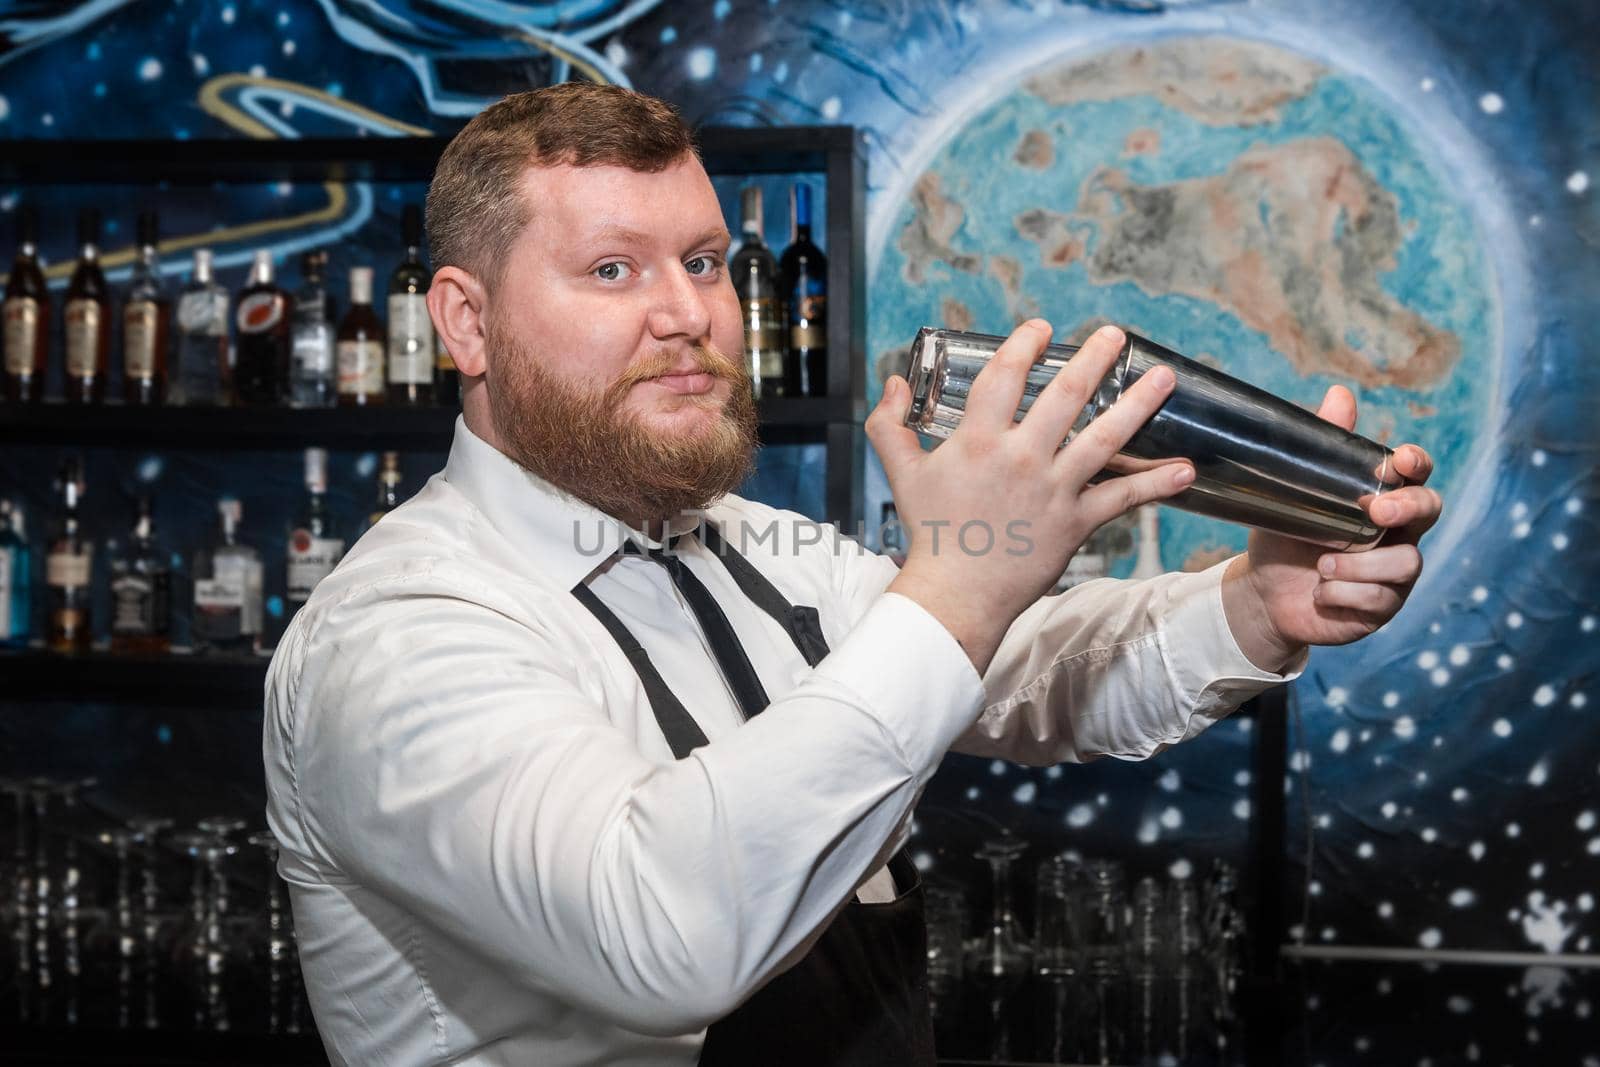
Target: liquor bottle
{"x": 68, "y": 566}
{"x": 16, "y": 578}
{"x": 146, "y": 315}
{"x": 311, "y": 380}
{"x": 141, "y": 591}
{"x": 313, "y": 549}
{"x": 755, "y": 276}
{"x": 200, "y": 375}
{"x": 803, "y": 281}
{"x": 360, "y": 346}
{"x": 87, "y": 315}
{"x": 446, "y": 379}
{"x": 388, "y": 488}
{"x": 227, "y": 589}
{"x": 27, "y": 316}
{"x": 261, "y": 370}
{"x": 411, "y": 355}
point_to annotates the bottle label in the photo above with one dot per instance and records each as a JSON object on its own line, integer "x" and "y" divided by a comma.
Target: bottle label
{"x": 360, "y": 368}
{"x": 311, "y": 559}
{"x": 204, "y": 313}
{"x": 441, "y": 355}
{"x": 82, "y": 319}
{"x": 260, "y": 312}
{"x": 139, "y": 605}
{"x": 763, "y": 337}
{"x": 410, "y": 336}
{"x": 8, "y": 560}
{"x": 22, "y": 332}
{"x": 313, "y": 349}
{"x": 808, "y": 327}
{"x": 67, "y": 570}
{"x": 139, "y": 338}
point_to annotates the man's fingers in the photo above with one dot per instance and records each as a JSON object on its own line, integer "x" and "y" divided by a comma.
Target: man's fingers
{"x": 1339, "y": 407}
{"x": 1413, "y": 463}
{"x": 997, "y": 390}
{"x": 1118, "y": 496}
{"x": 1396, "y": 564}
{"x": 1410, "y": 512}
{"x": 1090, "y": 451}
{"x": 895, "y": 442}
{"x": 1369, "y": 598}
{"x": 1060, "y": 403}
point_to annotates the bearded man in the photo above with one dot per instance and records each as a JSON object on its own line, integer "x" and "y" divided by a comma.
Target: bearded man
{"x": 547, "y": 801}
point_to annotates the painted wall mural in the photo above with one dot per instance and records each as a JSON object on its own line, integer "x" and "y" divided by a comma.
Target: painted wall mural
{"x": 1395, "y": 198}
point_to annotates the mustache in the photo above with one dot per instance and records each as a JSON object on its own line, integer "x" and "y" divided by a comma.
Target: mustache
{"x": 708, "y": 359}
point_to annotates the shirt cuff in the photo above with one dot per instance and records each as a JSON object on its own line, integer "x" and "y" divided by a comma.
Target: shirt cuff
{"x": 912, "y": 676}
{"x": 1204, "y": 654}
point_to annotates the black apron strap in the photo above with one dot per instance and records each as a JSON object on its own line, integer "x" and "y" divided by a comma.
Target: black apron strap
{"x": 801, "y": 623}
{"x": 683, "y": 734}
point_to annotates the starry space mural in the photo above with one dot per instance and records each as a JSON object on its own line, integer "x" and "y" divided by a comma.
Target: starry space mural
{"x": 1418, "y": 180}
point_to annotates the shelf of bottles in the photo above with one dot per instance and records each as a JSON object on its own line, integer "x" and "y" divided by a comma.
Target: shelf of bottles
{"x": 261, "y": 366}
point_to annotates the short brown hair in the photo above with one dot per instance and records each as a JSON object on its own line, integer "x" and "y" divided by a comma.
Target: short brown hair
{"x": 475, "y": 211}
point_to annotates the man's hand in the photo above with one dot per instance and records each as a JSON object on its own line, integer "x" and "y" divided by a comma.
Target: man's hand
{"x": 1282, "y": 594}
{"x": 996, "y": 511}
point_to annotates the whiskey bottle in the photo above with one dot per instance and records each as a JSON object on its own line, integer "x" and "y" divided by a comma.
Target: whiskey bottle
{"x": 360, "y": 346}
{"x": 27, "y": 316}
{"x": 200, "y": 374}
{"x": 87, "y": 317}
{"x": 313, "y": 549}
{"x": 146, "y": 315}
{"x": 755, "y": 276}
{"x": 227, "y": 589}
{"x": 388, "y": 488}
{"x": 411, "y": 356}
{"x": 141, "y": 591}
{"x": 69, "y": 566}
{"x": 803, "y": 281}
{"x": 261, "y": 370}
{"x": 16, "y": 578}
{"x": 311, "y": 381}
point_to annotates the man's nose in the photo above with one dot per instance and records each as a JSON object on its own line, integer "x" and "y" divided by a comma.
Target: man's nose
{"x": 682, "y": 307}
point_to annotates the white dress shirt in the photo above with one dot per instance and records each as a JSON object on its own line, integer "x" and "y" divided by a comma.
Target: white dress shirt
{"x": 493, "y": 857}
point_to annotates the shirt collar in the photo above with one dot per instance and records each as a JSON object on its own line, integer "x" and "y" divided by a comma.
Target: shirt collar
{"x": 566, "y": 537}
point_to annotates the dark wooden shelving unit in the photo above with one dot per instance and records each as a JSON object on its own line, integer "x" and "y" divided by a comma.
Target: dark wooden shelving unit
{"x": 176, "y": 680}
{"x": 421, "y": 429}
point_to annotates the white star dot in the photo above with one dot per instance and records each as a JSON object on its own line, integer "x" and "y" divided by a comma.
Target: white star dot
{"x": 1491, "y": 103}
{"x": 1577, "y": 181}
{"x": 1502, "y": 728}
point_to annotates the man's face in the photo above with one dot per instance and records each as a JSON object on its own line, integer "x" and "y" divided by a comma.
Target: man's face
{"x": 614, "y": 341}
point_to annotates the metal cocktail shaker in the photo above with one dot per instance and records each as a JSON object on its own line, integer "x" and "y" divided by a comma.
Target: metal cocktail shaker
{"x": 1259, "y": 460}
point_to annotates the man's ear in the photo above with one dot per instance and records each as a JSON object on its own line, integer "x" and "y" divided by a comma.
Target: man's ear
{"x": 456, "y": 304}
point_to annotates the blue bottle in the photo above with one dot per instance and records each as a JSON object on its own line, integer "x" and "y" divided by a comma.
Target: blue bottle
{"x": 16, "y": 578}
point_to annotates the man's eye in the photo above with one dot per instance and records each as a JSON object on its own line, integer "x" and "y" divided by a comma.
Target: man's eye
{"x": 611, "y": 272}
{"x": 703, "y": 265}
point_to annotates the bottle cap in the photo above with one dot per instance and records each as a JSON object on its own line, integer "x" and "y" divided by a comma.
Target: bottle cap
{"x": 411, "y": 225}
{"x": 801, "y": 201}
{"x": 317, "y": 470}
{"x": 148, "y": 229}
{"x": 750, "y": 209}
{"x": 261, "y": 266}
{"x": 361, "y": 285}
{"x": 230, "y": 509}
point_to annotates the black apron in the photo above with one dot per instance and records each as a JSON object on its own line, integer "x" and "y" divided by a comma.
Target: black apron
{"x": 859, "y": 997}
